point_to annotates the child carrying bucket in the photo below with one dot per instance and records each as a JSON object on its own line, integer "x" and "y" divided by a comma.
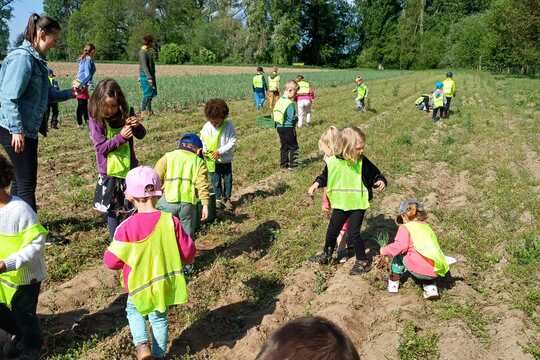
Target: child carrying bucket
{"x": 415, "y": 250}
{"x": 150, "y": 247}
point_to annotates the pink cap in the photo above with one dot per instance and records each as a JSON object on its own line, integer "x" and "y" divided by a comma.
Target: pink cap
{"x": 142, "y": 182}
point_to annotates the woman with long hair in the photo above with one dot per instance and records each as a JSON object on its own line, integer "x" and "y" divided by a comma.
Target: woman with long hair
{"x": 87, "y": 69}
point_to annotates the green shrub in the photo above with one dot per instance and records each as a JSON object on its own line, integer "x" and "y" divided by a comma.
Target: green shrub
{"x": 173, "y": 54}
{"x": 204, "y": 56}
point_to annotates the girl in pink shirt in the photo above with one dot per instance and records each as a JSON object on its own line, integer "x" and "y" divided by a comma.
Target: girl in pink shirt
{"x": 415, "y": 250}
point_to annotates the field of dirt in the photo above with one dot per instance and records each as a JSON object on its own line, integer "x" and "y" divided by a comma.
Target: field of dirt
{"x": 116, "y": 70}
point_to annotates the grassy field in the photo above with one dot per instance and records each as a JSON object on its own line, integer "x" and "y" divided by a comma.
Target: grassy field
{"x": 478, "y": 173}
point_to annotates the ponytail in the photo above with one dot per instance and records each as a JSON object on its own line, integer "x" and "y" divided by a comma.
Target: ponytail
{"x": 36, "y": 23}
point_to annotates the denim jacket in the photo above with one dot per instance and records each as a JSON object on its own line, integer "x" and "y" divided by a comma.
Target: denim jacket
{"x": 87, "y": 69}
{"x": 25, "y": 91}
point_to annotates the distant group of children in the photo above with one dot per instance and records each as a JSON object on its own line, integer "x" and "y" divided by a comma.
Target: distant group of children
{"x": 440, "y": 98}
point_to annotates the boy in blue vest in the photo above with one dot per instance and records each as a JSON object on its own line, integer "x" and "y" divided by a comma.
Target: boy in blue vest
{"x": 22, "y": 269}
{"x": 219, "y": 142}
{"x": 259, "y": 88}
{"x": 284, "y": 115}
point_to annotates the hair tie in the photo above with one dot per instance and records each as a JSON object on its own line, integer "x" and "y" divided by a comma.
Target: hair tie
{"x": 35, "y": 17}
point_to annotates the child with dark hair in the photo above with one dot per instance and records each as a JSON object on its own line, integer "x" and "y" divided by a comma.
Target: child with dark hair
{"x": 259, "y": 88}
{"x": 22, "y": 269}
{"x": 147, "y": 74}
{"x": 313, "y": 338}
{"x": 219, "y": 142}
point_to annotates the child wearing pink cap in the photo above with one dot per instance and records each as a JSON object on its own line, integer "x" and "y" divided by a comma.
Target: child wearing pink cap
{"x": 150, "y": 247}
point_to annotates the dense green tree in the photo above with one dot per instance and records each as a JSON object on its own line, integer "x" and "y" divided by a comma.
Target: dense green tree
{"x": 5, "y": 15}
{"x": 61, "y": 10}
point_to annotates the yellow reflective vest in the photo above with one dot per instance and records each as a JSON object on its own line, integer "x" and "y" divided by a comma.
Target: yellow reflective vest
{"x": 180, "y": 176}
{"x": 11, "y": 244}
{"x": 345, "y": 188}
{"x": 361, "y": 91}
{"x": 303, "y": 87}
{"x": 425, "y": 242}
{"x": 273, "y": 83}
{"x": 280, "y": 109}
{"x": 211, "y": 144}
{"x": 118, "y": 160}
{"x": 449, "y": 87}
{"x": 258, "y": 82}
{"x": 438, "y": 99}
{"x": 156, "y": 280}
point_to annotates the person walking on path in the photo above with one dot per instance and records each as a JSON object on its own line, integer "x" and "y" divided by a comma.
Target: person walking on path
{"x": 85, "y": 75}
{"x": 147, "y": 74}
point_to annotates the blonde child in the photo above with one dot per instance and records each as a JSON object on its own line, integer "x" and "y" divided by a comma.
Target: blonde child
{"x": 112, "y": 131}
{"x": 273, "y": 87}
{"x": 22, "y": 269}
{"x": 331, "y": 144}
{"x": 284, "y": 115}
{"x": 349, "y": 179}
{"x": 304, "y": 98}
{"x": 361, "y": 91}
{"x": 219, "y": 142}
{"x": 415, "y": 250}
{"x": 150, "y": 247}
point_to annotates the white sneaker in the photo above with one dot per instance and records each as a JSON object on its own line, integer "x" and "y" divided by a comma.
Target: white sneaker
{"x": 431, "y": 292}
{"x": 393, "y": 286}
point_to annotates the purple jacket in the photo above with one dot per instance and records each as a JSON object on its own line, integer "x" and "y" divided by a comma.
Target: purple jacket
{"x": 103, "y": 146}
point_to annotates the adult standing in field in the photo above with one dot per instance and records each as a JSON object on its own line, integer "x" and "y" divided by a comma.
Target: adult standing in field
{"x": 273, "y": 88}
{"x": 147, "y": 74}
{"x": 449, "y": 88}
{"x": 85, "y": 75}
{"x": 25, "y": 93}
{"x": 259, "y": 88}
{"x": 304, "y": 98}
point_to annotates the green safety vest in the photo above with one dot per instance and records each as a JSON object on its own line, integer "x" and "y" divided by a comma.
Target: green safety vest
{"x": 273, "y": 83}
{"x": 118, "y": 160}
{"x": 280, "y": 109}
{"x": 258, "y": 81}
{"x": 449, "y": 87}
{"x": 303, "y": 87}
{"x": 361, "y": 91}
{"x": 182, "y": 170}
{"x": 10, "y": 281}
{"x": 211, "y": 146}
{"x": 438, "y": 100}
{"x": 425, "y": 242}
{"x": 156, "y": 280}
{"x": 419, "y": 100}
{"x": 345, "y": 188}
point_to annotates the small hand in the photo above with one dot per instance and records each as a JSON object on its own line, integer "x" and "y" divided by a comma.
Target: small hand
{"x": 379, "y": 186}
{"x": 133, "y": 121}
{"x": 204, "y": 213}
{"x": 76, "y": 84}
{"x": 326, "y": 211}
{"x": 126, "y": 132}
{"x": 2, "y": 267}
{"x": 215, "y": 155}
{"x": 17, "y": 142}
{"x": 313, "y": 188}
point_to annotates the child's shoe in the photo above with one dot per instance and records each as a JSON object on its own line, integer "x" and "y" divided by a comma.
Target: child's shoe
{"x": 11, "y": 349}
{"x": 431, "y": 292}
{"x": 393, "y": 286}
{"x": 143, "y": 352}
{"x": 360, "y": 267}
{"x": 322, "y": 259}
{"x": 342, "y": 256}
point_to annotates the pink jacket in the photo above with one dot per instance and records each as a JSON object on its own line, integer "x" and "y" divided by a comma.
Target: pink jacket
{"x": 310, "y": 96}
{"x": 137, "y": 227}
{"x": 413, "y": 260}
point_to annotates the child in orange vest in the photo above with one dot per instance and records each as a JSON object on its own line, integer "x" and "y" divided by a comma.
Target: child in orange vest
{"x": 150, "y": 247}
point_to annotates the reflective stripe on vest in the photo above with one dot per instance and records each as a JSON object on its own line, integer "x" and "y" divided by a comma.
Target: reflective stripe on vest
{"x": 303, "y": 87}
{"x": 438, "y": 99}
{"x": 425, "y": 242}
{"x": 182, "y": 170}
{"x": 156, "y": 280}
{"x": 273, "y": 83}
{"x": 448, "y": 87}
{"x": 12, "y": 243}
{"x": 258, "y": 81}
{"x": 118, "y": 160}
{"x": 345, "y": 188}
{"x": 212, "y": 143}
{"x": 361, "y": 91}
{"x": 280, "y": 109}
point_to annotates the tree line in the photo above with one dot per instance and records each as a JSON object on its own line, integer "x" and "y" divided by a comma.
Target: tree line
{"x": 499, "y": 35}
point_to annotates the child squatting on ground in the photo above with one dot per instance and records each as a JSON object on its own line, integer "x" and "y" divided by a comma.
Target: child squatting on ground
{"x": 22, "y": 269}
{"x": 415, "y": 250}
{"x": 361, "y": 91}
{"x": 312, "y": 338}
{"x": 349, "y": 179}
{"x": 184, "y": 177}
{"x": 284, "y": 115}
{"x": 331, "y": 144}
{"x": 150, "y": 247}
{"x": 219, "y": 142}
{"x": 112, "y": 132}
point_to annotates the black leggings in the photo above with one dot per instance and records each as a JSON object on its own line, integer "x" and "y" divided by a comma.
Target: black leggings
{"x": 25, "y": 165}
{"x": 82, "y": 111}
{"x": 337, "y": 220}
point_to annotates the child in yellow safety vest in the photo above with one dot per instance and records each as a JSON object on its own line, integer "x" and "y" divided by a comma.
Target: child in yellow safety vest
{"x": 361, "y": 91}
{"x": 449, "y": 88}
{"x": 438, "y": 101}
{"x": 150, "y": 247}
{"x": 259, "y": 88}
{"x": 22, "y": 269}
{"x": 112, "y": 129}
{"x": 219, "y": 142}
{"x": 273, "y": 88}
{"x": 415, "y": 250}
{"x": 184, "y": 176}
{"x": 304, "y": 98}
{"x": 349, "y": 179}
{"x": 284, "y": 116}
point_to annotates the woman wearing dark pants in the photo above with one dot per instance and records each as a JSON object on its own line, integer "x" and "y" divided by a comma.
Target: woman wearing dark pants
{"x": 147, "y": 74}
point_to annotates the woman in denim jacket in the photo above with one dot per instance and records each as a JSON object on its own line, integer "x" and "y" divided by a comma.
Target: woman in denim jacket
{"x": 25, "y": 93}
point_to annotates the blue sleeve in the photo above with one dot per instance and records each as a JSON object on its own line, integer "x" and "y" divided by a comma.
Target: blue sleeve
{"x": 56, "y": 95}
{"x": 85, "y": 73}
{"x": 291, "y": 115}
{"x": 17, "y": 74}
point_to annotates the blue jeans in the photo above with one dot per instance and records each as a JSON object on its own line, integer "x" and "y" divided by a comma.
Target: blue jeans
{"x": 160, "y": 329}
{"x": 186, "y": 212}
{"x": 260, "y": 98}
{"x": 222, "y": 181}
